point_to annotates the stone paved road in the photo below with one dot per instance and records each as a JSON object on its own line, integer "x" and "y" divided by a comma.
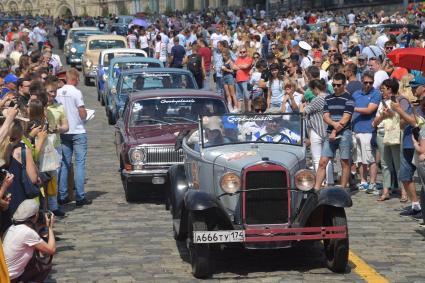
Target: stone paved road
{"x": 114, "y": 241}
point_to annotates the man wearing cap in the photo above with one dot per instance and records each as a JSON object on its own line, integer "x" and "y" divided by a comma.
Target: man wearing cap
{"x": 306, "y": 60}
{"x": 9, "y": 85}
{"x": 21, "y": 241}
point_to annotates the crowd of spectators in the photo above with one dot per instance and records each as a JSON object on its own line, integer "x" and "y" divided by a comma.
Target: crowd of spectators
{"x": 42, "y": 127}
{"x": 331, "y": 67}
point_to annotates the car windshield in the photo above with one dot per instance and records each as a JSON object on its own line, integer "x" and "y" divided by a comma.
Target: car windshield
{"x": 251, "y": 128}
{"x": 106, "y": 44}
{"x": 156, "y": 80}
{"x": 80, "y": 37}
{"x": 111, "y": 55}
{"x": 174, "y": 110}
{"x": 123, "y": 66}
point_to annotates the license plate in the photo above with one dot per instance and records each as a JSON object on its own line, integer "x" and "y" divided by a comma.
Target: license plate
{"x": 232, "y": 236}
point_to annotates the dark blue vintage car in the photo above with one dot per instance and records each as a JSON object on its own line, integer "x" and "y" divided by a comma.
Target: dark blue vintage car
{"x": 148, "y": 79}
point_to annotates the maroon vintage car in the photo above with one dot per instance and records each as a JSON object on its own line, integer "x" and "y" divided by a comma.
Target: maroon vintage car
{"x": 146, "y": 133}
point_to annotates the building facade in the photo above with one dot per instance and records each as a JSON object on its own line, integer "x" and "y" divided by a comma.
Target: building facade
{"x": 104, "y": 7}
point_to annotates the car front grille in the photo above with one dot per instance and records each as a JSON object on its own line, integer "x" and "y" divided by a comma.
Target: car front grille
{"x": 163, "y": 155}
{"x": 266, "y": 197}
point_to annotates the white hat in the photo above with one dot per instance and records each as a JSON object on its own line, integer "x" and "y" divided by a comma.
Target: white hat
{"x": 28, "y": 208}
{"x": 304, "y": 45}
{"x": 26, "y": 30}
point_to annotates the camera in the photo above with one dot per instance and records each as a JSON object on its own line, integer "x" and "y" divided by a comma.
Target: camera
{"x": 42, "y": 217}
{"x": 3, "y": 174}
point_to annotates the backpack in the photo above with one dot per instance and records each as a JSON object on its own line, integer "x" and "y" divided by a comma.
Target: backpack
{"x": 194, "y": 64}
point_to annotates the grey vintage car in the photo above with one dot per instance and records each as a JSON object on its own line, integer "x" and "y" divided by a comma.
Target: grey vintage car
{"x": 244, "y": 182}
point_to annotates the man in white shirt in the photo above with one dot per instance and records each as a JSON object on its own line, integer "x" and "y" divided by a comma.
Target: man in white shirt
{"x": 375, "y": 66}
{"x": 73, "y": 141}
{"x": 21, "y": 240}
{"x": 381, "y": 40}
{"x": 40, "y": 35}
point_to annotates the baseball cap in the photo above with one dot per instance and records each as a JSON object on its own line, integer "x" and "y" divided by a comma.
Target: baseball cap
{"x": 304, "y": 45}
{"x": 27, "y": 209}
{"x": 362, "y": 57}
{"x": 10, "y": 78}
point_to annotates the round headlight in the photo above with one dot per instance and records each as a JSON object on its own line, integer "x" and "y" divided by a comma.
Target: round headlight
{"x": 73, "y": 50}
{"x": 230, "y": 183}
{"x": 137, "y": 156}
{"x": 89, "y": 63}
{"x": 113, "y": 91}
{"x": 305, "y": 179}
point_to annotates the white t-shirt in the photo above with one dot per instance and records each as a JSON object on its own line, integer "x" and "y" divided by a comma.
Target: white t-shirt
{"x": 351, "y": 17}
{"x": 18, "y": 247}
{"x": 380, "y": 41}
{"x": 161, "y": 48}
{"x": 298, "y": 97}
{"x": 379, "y": 77}
{"x": 143, "y": 40}
{"x": 215, "y": 38}
{"x": 306, "y": 62}
{"x": 71, "y": 98}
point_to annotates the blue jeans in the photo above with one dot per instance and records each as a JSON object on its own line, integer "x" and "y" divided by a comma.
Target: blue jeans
{"x": 219, "y": 86}
{"x": 73, "y": 143}
{"x": 207, "y": 81}
{"x": 242, "y": 93}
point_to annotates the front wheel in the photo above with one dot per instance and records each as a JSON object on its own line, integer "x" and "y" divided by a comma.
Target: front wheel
{"x": 199, "y": 253}
{"x": 86, "y": 81}
{"x": 111, "y": 117}
{"x": 336, "y": 250}
{"x": 131, "y": 193}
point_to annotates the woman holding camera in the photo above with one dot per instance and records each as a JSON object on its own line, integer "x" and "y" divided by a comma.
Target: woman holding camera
{"x": 22, "y": 240}
{"x": 387, "y": 123}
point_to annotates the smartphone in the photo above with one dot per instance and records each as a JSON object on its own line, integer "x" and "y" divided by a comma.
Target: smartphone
{"x": 393, "y": 98}
{"x": 384, "y": 104}
{"x": 415, "y": 132}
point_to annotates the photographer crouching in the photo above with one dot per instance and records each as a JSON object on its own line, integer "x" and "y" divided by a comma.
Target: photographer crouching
{"x": 22, "y": 244}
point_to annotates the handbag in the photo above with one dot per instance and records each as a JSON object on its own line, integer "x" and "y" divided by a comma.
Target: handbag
{"x": 392, "y": 134}
{"x": 49, "y": 159}
{"x": 31, "y": 190}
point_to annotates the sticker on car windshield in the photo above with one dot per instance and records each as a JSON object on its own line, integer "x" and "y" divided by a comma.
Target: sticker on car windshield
{"x": 232, "y": 236}
{"x": 177, "y": 100}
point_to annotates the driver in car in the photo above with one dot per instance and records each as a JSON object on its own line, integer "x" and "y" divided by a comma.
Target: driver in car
{"x": 273, "y": 132}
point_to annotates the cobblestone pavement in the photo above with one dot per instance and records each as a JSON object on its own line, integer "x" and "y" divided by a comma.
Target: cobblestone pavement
{"x": 114, "y": 241}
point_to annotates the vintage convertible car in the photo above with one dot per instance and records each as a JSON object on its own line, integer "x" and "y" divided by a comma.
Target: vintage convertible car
{"x": 117, "y": 66}
{"x": 146, "y": 133}
{"x": 145, "y": 79}
{"x": 95, "y": 44}
{"x": 104, "y": 60}
{"x": 77, "y": 45}
{"x": 244, "y": 182}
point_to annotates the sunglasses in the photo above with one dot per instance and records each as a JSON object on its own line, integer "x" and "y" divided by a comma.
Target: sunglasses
{"x": 389, "y": 48}
{"x": 368, "y": 82}
{"x": 336, "y": 85}
{"x": 332, "y": 51}
{"x": 242, "y": 52}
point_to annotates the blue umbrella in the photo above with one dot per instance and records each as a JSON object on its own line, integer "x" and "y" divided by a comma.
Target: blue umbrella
{"x": 140, "y": 22}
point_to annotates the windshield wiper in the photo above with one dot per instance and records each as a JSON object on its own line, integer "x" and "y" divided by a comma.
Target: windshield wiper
{"x": 182, "y": 118}
{"x": 147, "y": 118}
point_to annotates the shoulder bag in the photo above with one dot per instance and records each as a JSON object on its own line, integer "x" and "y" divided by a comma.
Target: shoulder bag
{"x": 31, "y": 190}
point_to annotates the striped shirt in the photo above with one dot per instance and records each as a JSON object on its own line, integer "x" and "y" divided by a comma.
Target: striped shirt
{"x": 336, "y": 106}
{"x": 314, "y": 112}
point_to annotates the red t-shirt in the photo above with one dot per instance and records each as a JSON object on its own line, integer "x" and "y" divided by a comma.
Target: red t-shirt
{"x": 399, "y": 72}
{"x": 243, "y": 75}
{"x": 206, "y": 53}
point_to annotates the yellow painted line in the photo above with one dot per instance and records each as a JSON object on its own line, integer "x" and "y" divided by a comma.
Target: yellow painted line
{"x": 364, "y": 270}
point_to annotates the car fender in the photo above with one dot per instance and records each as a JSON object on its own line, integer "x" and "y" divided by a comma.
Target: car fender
{"x": 197, "y": 200}
{"x": 335, "y": 197}
{"x": 178, "y": 187}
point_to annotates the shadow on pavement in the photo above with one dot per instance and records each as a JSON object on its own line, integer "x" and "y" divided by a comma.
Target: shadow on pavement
{"x": 303, "y": 257}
